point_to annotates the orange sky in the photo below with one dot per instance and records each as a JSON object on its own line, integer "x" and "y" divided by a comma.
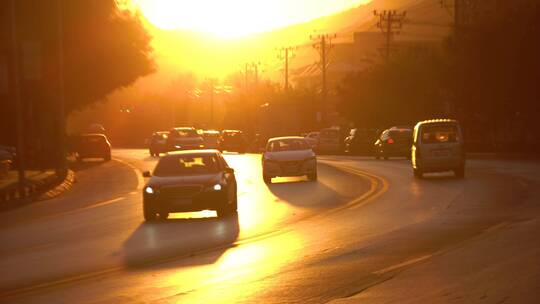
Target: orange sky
{"x": 215, "y": 38}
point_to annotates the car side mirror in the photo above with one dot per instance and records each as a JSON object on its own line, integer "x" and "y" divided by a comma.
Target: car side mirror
{"x": 229, "y": 170}
{"x": 147, "y": 174}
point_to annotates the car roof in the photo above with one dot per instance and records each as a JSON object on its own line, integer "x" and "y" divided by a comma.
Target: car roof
{"x": 93, "y": 135}
{"x": 285, "y": 138}
{"x": 437, "y": 121}
{"x": 183, "y": 128}
{"x": 192, "y": 153}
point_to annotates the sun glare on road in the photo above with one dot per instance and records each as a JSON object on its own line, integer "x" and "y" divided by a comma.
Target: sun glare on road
{"x": 236, "y": 18}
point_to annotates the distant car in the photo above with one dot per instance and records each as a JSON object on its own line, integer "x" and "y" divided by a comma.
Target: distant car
{"x": 394, "y": 142}
{"x": 313, "y": 139}
{"x": 188, "y": 181}
{"x": 233, "y": 141}
{"x": 7, "y": 153}
{"x": 158, "y": 143}
{"x": 258, "y": 144}
{"x": 184, "y": 139}
{"x": 329, "y": 141}
{"x": 360, "y": 142}
{"x": 95, "y": 128}
{"x": 288, "y": 156}
{"x": 211, "y": 139}
{"x": 437, "y": 147}
{"x": 92, "y": 146}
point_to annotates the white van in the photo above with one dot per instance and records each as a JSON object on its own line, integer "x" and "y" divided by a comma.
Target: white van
{"x": 438, "y": 147}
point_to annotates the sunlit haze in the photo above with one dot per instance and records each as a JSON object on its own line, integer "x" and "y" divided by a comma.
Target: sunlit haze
{"x": 236, "y": 18}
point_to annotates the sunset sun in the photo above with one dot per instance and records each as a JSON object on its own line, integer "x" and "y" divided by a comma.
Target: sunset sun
{"x": 237, "y": 18}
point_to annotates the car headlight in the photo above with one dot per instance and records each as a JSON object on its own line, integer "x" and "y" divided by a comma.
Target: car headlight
{"x": 201, "y": 146}
{"x": 178, "y": 147}
{"x": 216, "y": 187}
{"x": 149, "y": 190}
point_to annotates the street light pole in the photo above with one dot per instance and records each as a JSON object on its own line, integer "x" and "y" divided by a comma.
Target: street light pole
{"x": 19, "y": 109}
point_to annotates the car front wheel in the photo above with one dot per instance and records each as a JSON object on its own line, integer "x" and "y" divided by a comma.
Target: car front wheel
{"x": 149, "y": 213}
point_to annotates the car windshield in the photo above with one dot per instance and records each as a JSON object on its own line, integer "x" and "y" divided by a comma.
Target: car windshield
{"x": 232, "y": 134}
{"x": 329, "y": 133}
{"x": 287, "y": 145}
{"x": 404, "y": 134}
{"x": 92, "y": 139}
{"x": 186, "y": 165}
{"x": 437, "y": 134}
{"x": 185, "y": 133}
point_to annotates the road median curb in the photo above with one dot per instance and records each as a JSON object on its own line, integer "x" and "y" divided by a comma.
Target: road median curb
{"x": 51, "y": 186}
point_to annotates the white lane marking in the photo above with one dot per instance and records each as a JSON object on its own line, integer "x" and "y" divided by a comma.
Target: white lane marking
{"x": 140, "y": 180}
{"x": 114, "y": 200}
{"x": 403, "y": 264}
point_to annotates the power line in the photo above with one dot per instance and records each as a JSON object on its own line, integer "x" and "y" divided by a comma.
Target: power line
{"x": 286, "y": 54}
{"x": 390, "y": 23}
{"x": 251, "y": 68}
{"x": 323, "y": 44}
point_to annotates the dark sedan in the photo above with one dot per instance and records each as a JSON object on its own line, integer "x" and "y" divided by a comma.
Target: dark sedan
{"x": 394, "y": 142}
{"x": 190, "y": 181}
{"x": 92, "y": 146}
{"x": 233, "y": 141}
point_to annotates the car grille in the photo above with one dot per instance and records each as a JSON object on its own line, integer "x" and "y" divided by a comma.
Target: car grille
{"x": 180, "y": 191}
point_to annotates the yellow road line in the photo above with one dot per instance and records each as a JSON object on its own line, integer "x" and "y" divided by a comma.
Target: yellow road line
{"x": 378, "y": 186}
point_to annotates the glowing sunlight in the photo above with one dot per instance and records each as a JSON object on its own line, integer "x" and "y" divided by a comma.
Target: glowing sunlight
{"x": 236, "y": 18}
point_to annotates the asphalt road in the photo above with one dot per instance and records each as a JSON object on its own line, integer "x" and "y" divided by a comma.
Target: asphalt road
{"x": 366, "y": 232}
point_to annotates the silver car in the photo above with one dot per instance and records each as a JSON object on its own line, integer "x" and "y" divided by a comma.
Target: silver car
{"x": 288, "y": 156}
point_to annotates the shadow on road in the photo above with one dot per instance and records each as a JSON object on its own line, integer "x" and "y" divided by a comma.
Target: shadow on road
{"x": 155, "y": 242}
{"x": 306, "y": 194}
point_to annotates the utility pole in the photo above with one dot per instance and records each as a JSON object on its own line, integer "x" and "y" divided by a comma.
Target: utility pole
{"x": 246, "y": 71}
{"x": 286, "y": 54}
{"x": 323, "y": 45}
{"x": 251, "y": 67}
{"x": 461, "y": 13}
{"x": 390, "y": 22}
{"x": 19, "y": 109}
{"x": 212, "y": 88}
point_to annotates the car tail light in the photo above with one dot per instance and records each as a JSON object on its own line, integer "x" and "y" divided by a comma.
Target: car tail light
{"x": 390, "y": 141}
